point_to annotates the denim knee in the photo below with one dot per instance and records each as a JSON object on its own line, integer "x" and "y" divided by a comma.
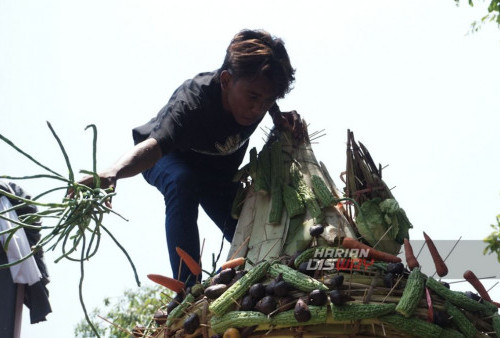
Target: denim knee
{"x": 171, "y": 173}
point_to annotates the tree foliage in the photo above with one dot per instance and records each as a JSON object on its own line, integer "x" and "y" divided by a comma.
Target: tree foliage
{"x": 493, "y": 240}
{"x": 493, "y": 14}
{"x": 134, "y": 307}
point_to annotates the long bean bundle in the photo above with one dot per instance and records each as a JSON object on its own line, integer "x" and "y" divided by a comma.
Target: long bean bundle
{"x": 76, "y": 221}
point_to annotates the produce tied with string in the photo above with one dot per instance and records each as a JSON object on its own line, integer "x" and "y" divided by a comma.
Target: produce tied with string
{"x": 379, "y": 220}
{"x": 307, "y": 269}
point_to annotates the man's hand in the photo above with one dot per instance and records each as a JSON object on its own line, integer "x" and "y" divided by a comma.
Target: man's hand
{"x": 288, "y": 121}
{"x": 141, "y": 157}
{"x": 107, "y": 180}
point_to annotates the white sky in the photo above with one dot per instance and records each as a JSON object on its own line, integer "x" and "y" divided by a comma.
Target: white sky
{"x": 403, "y": 75}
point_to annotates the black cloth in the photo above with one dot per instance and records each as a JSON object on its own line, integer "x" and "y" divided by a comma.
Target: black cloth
{"x": 195, "y": 124}
{"x": 37, "y": 295}
{"x": 8, "y": 297}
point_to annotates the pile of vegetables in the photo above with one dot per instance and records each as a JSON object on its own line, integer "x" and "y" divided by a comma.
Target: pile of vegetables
{"x": 279, "y": 298}
{"x": 278, "y": 281}
{"x": 280, "y": 285}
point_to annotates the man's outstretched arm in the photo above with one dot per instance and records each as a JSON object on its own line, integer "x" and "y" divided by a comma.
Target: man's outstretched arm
{"x": 141, "y": 157}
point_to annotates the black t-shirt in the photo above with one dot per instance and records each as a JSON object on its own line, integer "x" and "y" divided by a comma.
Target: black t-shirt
{"x": 195, "y": 124}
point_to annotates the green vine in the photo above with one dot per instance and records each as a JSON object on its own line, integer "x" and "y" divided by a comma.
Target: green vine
{"x": 75, "y": 221}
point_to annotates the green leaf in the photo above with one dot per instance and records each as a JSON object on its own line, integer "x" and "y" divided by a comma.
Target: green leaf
{"x": 404, "y": 226}
{"x": 494, "y": 6}
{"x": 398, "y": 219}
{"x": 493, "y": 240}
{"x": 373, "y": 227}
{"x": 370, "y": 222}
{"x": 389, "y": 206}
{"x": 395, "y": 228}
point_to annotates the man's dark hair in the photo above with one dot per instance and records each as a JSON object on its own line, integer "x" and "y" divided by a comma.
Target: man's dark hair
{"x": 255, "y": 52}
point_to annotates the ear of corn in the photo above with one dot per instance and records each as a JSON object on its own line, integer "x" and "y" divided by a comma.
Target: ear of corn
{"x": 459, "y": 299}
{"x": 293, "y": 202}
{"x": 277, "y": 166}
{"x": 460, "y": 320}
{"x": 238, "y": 319}
{"x": 238, "y": 201}
{"x": 276, "y": 210}
{"x": 287, "y": 318}
{"x": 298, "y": 237}
{"x": 296, "y": 279}
{"x": 321, "y": 191}
{"x": 413, "y": 326}
{"x": 295, "y": 175}
{"x": 222, "y": 304}
{"x": 305, "y": 193}
{"x": 263, "y": 175}
{"x": 358, "y": 311}
{"x": 311, "y": 204}
{"x": 277, "y": 179}
{"x": 413, "y": 293}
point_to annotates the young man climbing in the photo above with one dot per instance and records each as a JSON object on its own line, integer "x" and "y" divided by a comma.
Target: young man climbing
{"x": 191, "y": 150}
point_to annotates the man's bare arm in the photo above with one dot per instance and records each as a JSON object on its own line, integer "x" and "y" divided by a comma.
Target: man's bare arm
{"x": 141, "y": 157}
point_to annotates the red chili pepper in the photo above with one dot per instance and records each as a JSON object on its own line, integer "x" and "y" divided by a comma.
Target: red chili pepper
{"x": 233, "y": 263}
{"x": 351, "y": 243}
{"x": 441, "y": 268}
{"x": 430, "y": 310}
{"x": 411, "y": 260}
{"x": 192, "y": 265}
{"x": 170, "y": 283}
{"x": 476, "y": 283}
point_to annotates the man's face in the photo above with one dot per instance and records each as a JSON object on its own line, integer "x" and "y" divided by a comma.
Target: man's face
{"x": 246, "y": 99}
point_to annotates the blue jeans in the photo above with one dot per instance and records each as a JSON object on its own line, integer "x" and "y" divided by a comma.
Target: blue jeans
{"x": 185, "y": 187}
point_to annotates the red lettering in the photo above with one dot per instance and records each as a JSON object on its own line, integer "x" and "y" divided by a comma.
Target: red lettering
{"x": 344, "y": 264}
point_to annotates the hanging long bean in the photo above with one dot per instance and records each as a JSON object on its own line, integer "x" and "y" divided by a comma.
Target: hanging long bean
{"x": 75, "y": 223}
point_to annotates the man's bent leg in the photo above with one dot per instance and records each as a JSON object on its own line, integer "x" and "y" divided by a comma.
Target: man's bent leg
{"x": 179, "y": 185}
{"x": 217, "y": 197}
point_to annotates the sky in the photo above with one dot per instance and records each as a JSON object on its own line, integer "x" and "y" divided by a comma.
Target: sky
{"x": 417, "y": 89}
